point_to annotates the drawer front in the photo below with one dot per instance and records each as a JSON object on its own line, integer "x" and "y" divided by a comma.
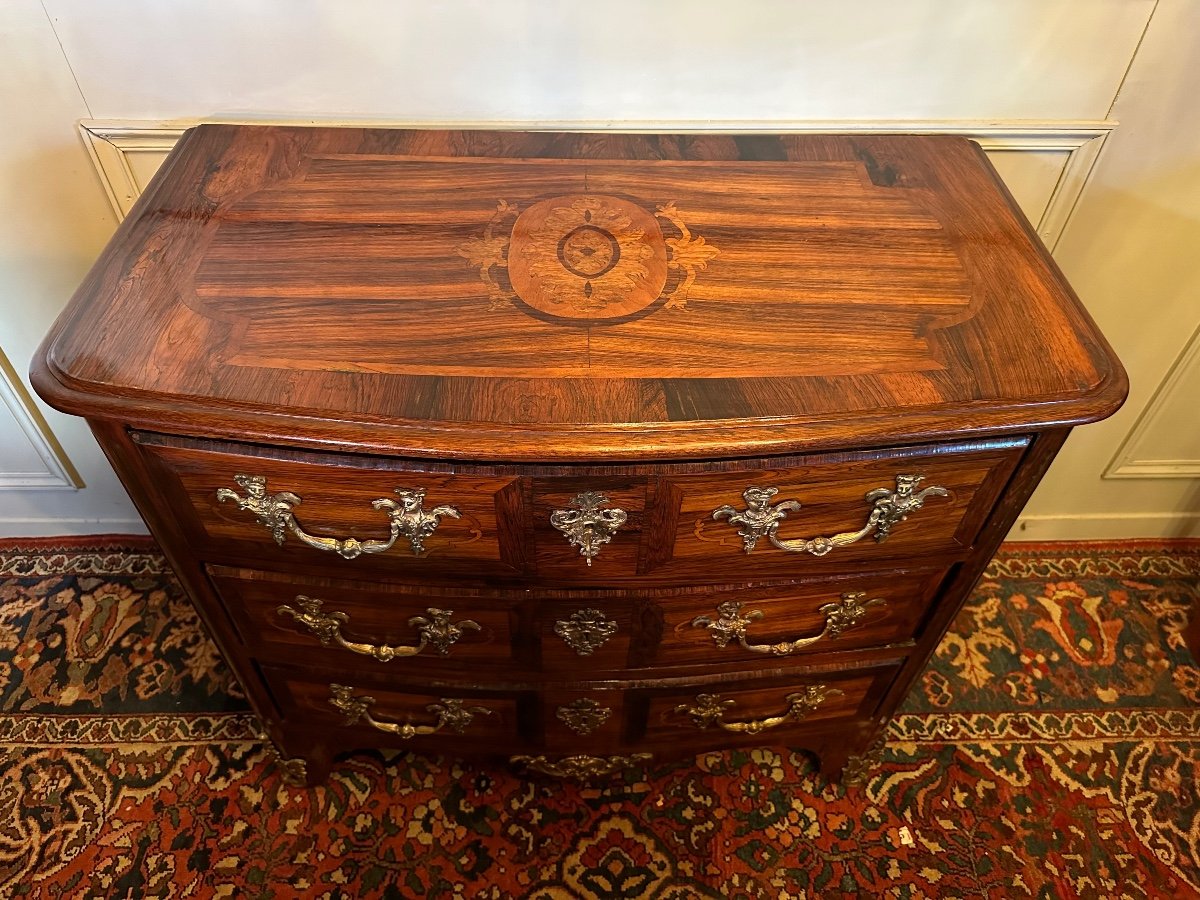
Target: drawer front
{"x": 588, "y": 527}
{"x": 730, "y": 626}
{"x": 591, "y": 634}
{"x": 347, "y": 712}
{"x": 774, "y": 711}
{"x": 270, "y": 507}
{"x": 574, "y": 720}
{"x": 766, "y": 625}
{"x": 348, "y": 623}
{"x": 447, "y": 631}
{"x": 342, "y": 516}
{"x": 833, "y": 515}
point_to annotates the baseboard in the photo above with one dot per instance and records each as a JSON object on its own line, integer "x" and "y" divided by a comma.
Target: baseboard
{"x": 116, "y": 541}
{"x": 1106, "y": 527}
{"x": 55, "y": 527}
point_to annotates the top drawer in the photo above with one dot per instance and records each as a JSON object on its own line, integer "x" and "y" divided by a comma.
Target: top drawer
{"x": 830, "y": 514}
{"x": 698, "y": 523}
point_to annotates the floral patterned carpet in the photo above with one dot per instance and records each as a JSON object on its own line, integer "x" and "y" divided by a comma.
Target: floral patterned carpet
{"x": 1052, "y": 749}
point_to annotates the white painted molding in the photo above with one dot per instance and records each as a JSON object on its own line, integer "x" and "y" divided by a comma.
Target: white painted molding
{"x": 1134, "y": 458}
{"x": 59, "y": 473}
{"x": 1075, "y": 175}
{"x": 1105, "y": 527}
{"x": 111, "y": 146}
{"x": 56, "y": 527}
{"x": 115, "y": 144}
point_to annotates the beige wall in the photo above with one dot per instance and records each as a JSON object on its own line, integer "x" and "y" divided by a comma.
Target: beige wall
{"x": 1132, "y": 251}
{"x": 53, "y": 222}
{"x": 1039, "y": 82}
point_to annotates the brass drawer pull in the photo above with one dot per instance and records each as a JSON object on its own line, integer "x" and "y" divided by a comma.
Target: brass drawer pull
{"x": 450, "y": 714}
{"x": 840, "y": 616}
{"x": 437, "y": 630}
{"x": 406, "y": 517}
{"x": 709, "y": 709}
{"x": 889, "y": 508}
{"x": 586, "y": 525}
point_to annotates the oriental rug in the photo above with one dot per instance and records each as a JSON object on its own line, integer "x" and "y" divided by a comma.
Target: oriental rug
{"x": 1051, "y": 749}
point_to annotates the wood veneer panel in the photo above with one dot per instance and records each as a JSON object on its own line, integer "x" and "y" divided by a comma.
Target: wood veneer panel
{"x": 349, "y": 285}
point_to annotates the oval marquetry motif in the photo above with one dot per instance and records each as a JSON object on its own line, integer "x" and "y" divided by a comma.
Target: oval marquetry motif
{"x": 590, "y": 257}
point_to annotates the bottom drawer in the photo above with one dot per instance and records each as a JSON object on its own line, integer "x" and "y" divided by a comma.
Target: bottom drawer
{"x": 667, "y": 718}
{"x": 344, "y": 713}
{"x": 777, "y": 711}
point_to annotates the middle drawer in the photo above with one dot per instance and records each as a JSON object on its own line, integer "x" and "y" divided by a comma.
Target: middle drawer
{"x": 380, "y": 627}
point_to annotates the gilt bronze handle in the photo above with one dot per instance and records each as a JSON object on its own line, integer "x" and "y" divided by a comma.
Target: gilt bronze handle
{"x": 888, "y": 508}
{"x": 275, "y": 511}
{"x": 437, "y": 629}
{"x": 451, "y": 714}
{"x": 840, "y": 616}
{"x": 709, "y": 709}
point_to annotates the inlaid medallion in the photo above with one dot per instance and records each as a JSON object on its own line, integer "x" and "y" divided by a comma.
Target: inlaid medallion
{"x": 587, "y": 258}
{"x": 588, "y": 252}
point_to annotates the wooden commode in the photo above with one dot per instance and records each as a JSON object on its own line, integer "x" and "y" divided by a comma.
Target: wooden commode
{"x": 576, "y": 450}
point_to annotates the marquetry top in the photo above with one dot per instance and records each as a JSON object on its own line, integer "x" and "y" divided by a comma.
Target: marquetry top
{"x": 568, "y": 296}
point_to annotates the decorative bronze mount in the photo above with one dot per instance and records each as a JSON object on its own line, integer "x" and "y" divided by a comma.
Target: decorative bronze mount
{"x": 586, "y": 525}
{"x": 585, "y": 631}
{"x": 293, "y": 770}
{"x": 580, "y": 766}
{"x": 583, "y": 716}
{"x": 275, "y": 511}
{"x": 889, "y": 509}
{"x": 860, "y": 768}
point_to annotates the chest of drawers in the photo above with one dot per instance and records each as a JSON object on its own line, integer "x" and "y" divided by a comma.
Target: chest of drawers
{"x": 576, "y": 450}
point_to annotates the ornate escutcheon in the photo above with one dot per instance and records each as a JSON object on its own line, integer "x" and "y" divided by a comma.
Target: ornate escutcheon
{"x": 437, "y": 629}
{"x": 406, "y": 516}
{"x": 586, "y": 526}
{"x": 585, "y": 630}
{"x": 839, "y": 617}
{"x": 888, "y": 508}
{"x": 709, "y": 709}
{"x": 451, "y": 714}
{"x": 583, "y": 716}
{"x": 580, "y": 766}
